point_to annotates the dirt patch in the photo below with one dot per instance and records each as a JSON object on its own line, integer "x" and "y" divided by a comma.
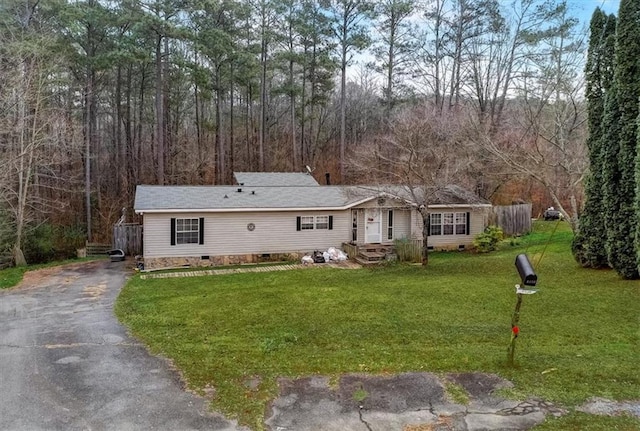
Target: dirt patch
{"x": 38, "y": 276}
{"x": 95, "y": 292}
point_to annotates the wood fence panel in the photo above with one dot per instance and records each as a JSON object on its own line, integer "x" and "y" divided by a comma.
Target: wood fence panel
{"x": 513, "y": 219}
{"x": 128, "y": 238}
{"x": 94, "y": 249}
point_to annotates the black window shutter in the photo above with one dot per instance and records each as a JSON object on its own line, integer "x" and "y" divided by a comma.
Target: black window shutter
{"x": 330, "y": 222}
{"x": 298, "y": 223}
{"x": 173, "y": 231}
{"x": 201, "y": 231}
{"x": 468, "y": 223}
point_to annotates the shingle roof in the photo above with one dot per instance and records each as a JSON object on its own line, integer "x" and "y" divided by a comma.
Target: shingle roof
{"x": 282, "y": 179}
{"x": 447, "y": 195}
{"x": 272, "y": 198}
{"x": 220, "y": 198}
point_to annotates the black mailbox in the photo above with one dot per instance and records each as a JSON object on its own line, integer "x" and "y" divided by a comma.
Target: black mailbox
{"x": 528, "y": 277}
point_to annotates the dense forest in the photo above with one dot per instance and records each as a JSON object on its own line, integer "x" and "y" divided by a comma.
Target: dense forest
{"x": 98, "y": 96}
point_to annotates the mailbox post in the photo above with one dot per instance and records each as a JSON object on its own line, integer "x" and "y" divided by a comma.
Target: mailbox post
{"x": 529, "y": 279}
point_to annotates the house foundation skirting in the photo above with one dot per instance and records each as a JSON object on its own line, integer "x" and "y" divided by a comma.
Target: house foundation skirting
{"x": 157, "y": 263}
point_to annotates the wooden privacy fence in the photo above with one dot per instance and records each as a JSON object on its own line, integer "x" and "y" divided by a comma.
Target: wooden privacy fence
{"x": 409, "y": 250}
{"x": 128, "y": 238}
{"x": 513, "y": 219}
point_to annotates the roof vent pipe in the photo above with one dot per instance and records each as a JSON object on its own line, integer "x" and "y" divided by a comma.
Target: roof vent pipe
{"x": 327, "y": 176}
{"x": 239, "y": 190}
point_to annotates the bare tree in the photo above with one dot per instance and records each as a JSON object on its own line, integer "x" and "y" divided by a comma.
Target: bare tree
{"x": 34, "y": 133}
{"x": 425, "y": 156}
{"x": 544, "y": 135}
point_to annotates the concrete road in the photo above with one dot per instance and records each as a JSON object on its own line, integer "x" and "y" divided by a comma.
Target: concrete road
{"x": 67, "y": 364}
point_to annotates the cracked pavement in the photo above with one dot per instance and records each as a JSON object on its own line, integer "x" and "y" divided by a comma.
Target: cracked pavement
{"x": 67, "y": 364}
{"x": 409, "y": 401}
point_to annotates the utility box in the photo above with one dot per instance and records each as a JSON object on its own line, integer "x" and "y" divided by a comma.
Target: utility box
{"x": 527, "y": 275}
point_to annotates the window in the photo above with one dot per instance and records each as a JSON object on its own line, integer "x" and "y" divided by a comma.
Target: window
{"x": 448, "y": 224}
{"x": 306, "y": 223}
{"x": 390, "y": 225}
{"x": 322, "y": 222}
{"x": 461, "y": 223}
{"x": 435, "y": 224}
{"x": 187, "y": 231}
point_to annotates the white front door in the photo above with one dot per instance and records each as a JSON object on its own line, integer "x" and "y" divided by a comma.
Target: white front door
{"x": 373, "y": 225}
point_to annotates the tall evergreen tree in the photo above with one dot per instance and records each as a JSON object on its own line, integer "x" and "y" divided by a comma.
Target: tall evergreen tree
{"x": 589, "y": 242}
{"x": 621, "y": 221}
{"x": 638, "y": 195}
{"x": 350, "y": 20}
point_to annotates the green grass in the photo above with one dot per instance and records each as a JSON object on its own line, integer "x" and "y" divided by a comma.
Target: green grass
{"x": 586, "y": 422}
{"x": 579, "y": 336}
{"x": 10, "y": 277}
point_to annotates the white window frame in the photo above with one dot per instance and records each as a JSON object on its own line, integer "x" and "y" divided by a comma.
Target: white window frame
{"x": 448, "y": 223}
{"x": 460, "y": 223}
{"x": 307, "y": 222}
{"x": 433, "y": 223}
{"x": 448, "y": 227}
{"x": 322, "y": 222}
{"x": 390, "y": 222}
{"x": 189, "y": 234}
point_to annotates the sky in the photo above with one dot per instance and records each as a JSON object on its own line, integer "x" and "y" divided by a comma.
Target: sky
{"x": 584, "y": 8}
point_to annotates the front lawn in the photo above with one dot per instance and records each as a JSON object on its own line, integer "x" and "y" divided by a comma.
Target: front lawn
{"x": 579, "y": 336}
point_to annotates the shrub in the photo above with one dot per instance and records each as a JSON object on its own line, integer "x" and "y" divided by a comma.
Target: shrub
{"x": 48, "y": 242}
{"x": 489, "y": 239}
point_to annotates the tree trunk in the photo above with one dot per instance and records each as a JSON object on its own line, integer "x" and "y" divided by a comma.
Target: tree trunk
{"x": 263, "y": 95}
{"x": 159, "y": 129}
{"x": 231, "y": 166}
{"x": 343, "y": 106}
{"x": 220, "y": 167}
{"x": 88, "y": 133}
{"x": 425, "y": 237}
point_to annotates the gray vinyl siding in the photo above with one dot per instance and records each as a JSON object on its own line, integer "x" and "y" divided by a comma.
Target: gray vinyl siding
{"x": 227, "y": 234}
{"x": 401, "y": 224}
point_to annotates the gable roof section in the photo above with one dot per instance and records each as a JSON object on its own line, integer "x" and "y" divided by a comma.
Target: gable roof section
{"x": 273, "y": 179}
{"x": 168, "y": 199}
{"x": 229, "y": 199}
{"x": 450, "y": 195}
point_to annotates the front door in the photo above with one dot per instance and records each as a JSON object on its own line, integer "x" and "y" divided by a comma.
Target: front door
{"x": 373, "y": 225}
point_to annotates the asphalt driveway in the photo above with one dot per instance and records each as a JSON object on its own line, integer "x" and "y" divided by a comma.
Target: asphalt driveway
{"x": 67, "y": 364}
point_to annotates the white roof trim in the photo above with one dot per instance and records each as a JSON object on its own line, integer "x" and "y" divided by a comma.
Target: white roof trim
{"x": 238, "y": 210}
{"x": 252, "y": 210}
{"x": 460, "y": 206}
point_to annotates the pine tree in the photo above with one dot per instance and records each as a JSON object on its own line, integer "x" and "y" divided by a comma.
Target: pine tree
{"x": 589, "y": 242}
{"x": 621, "y": 221}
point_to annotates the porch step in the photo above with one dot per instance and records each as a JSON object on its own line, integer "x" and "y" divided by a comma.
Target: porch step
{"x": 372, "y": 255}
{"x": 365, "y": 262}
{"x": 376, "y": 249}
